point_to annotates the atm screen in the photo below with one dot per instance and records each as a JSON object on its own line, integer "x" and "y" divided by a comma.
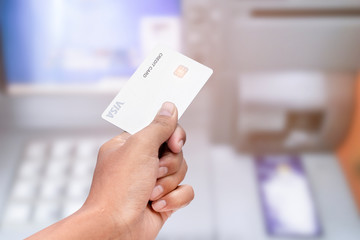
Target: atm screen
{"x": 84, "y": 42}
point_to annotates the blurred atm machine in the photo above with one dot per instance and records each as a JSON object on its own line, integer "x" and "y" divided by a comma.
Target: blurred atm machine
{"x": 285, "y": 75}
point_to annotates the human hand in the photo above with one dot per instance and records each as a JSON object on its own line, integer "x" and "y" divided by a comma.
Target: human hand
{"x": 131, "y": 170}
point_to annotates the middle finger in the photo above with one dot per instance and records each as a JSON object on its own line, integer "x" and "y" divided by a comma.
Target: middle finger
{"x": 170, "y": 163}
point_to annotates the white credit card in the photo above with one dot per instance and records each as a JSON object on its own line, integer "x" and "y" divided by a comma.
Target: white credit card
{"x": 165, "y": 75}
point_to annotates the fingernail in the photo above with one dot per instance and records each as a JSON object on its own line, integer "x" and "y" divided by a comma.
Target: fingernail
{"x": 167, "y": 109}
{"x": 181, "y": 144}
{"x": 158, "y": 205}
{"x": 162, "y": 172}
{"x": 156, "y": 192}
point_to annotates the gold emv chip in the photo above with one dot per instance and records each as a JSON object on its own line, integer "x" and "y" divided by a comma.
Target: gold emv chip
{"x": 181, "y": 71}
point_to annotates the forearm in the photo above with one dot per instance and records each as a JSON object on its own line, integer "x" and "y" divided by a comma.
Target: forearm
{"x": 84, "y": 224}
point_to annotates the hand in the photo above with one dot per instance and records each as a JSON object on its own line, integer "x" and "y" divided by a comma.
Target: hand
{"x": 130, "y": 172}
{"x": 135, "y": 186}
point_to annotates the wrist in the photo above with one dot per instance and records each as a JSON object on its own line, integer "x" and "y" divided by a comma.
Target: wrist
{"x": 86, "y": 223}
{"x": 102, "y": 223}
{"x": 111, "y": 223}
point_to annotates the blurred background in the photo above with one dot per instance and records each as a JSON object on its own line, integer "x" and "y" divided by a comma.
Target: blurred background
{"x": 273, "y": 138}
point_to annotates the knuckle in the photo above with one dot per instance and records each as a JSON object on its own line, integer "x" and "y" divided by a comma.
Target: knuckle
{"x": 186, "y": 166}
{"x": 122, "y": 138}
{"x": 137, "y": 138}
{"x": 102, "y": 148}
{"x": 163, "y": 122}
{"x": 182, "y": 172}
{"x": 140, "y": 140}
{"x": 178, "y": 161}
{"x": 189, "y": 191}
{"x": 183, "y": 133}
{"x": 192, "y": 192}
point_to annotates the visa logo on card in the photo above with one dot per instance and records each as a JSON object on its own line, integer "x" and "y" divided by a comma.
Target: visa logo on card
{"x": 165, "y": 75}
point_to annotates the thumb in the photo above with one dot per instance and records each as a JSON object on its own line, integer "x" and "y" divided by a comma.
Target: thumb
{"x": 163, "y": 125}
